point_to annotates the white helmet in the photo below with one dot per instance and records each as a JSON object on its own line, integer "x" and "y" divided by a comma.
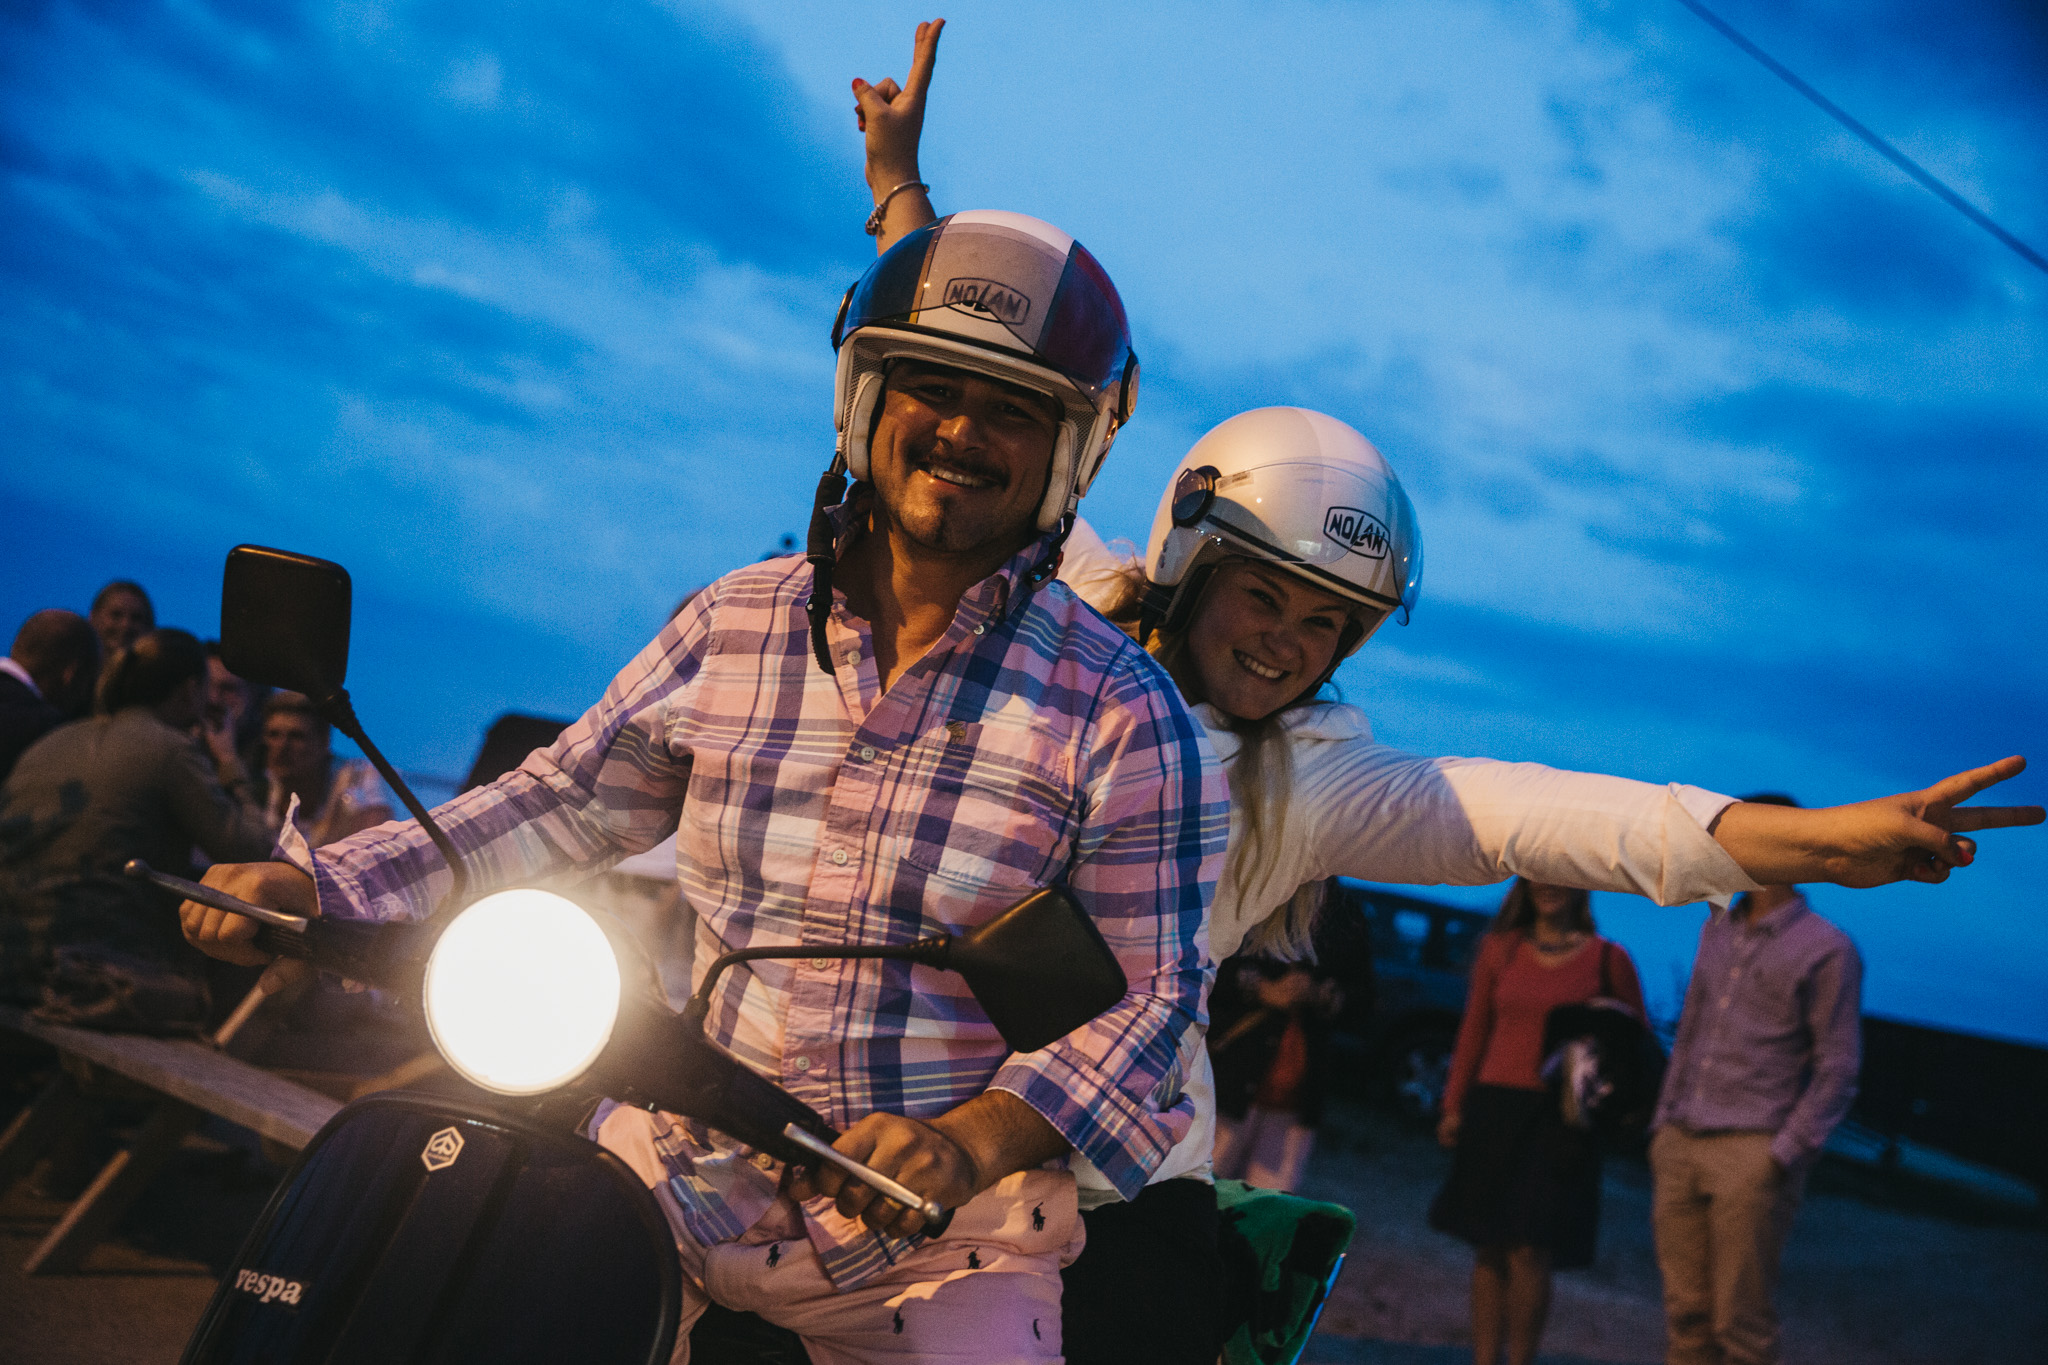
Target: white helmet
{"x": 1003, "y": 295}
{"x": 1297, "y": 489}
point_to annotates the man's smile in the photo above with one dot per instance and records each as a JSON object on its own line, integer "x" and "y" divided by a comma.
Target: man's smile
{"x": 961, "y": 476}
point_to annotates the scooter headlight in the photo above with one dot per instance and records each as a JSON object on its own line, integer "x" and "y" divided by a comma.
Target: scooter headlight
{"x": 522, "y": 991}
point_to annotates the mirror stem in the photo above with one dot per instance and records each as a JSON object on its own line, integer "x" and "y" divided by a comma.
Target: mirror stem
{"x": 932, "y": 952}
{"x": 341, "y": 713}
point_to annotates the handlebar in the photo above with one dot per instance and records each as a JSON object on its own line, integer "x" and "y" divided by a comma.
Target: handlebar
{"x": 218, "y": 900}
{"x": 936, "y": 1215}
{"x": 718, "y": 1089}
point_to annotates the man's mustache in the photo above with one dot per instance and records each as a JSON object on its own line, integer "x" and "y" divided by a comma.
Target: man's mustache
{"x": 959, "y": 464}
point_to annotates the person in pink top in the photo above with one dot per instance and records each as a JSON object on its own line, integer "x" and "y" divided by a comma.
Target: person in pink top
{"x": 1524, "y": 1187}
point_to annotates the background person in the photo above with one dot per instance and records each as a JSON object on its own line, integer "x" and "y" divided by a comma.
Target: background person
{"x": 1769, "y": 1045}
{"x": 337, "y": 797}
{"x": 1524, "y": 1187}
{"x": 121, "y": 614}
{"x": 1268, "y": 1025}
{"x": 235, "y": 706}
{"x": 46, "y": 679}
{"x": 128, "y": 783}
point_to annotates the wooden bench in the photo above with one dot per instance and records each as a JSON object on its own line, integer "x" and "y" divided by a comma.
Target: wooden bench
{"x": 193, "y": 1078}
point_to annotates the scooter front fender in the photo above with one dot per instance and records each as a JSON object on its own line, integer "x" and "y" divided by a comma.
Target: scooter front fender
{"x": 415, "y": 1229}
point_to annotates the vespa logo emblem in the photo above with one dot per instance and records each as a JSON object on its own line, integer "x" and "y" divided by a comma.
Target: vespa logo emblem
{"x": 441, "y": 1150}
{"x": 998, "y": 301}
{"x": 1361, "y": 532}
{"x": 270, "y": 1288}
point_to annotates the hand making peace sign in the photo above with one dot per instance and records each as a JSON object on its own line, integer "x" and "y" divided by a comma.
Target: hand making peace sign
{"x": 892, "y": 117}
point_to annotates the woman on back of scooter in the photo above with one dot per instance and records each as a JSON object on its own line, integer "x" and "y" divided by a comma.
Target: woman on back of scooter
{"x": 1282, "y": 542}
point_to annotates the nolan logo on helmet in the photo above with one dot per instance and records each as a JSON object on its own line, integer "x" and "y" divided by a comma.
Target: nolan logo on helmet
{"x": 1360, "y": 532}
{"x": 999, "y": 301}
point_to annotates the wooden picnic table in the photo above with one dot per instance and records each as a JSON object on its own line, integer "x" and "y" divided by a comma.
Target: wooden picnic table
{"x": 194, "y": 1079}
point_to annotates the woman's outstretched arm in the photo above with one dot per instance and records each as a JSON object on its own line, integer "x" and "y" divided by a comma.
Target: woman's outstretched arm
{"x": 1382, "y": 815}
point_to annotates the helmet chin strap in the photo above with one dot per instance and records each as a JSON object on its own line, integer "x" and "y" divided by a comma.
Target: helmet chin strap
{"x": 822, "y": 552}
{"x": 1049, "y": 563}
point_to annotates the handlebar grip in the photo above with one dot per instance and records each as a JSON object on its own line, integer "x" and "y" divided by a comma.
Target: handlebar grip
{"x": 282, "y": 942}
{"x": 816, "y": 1143}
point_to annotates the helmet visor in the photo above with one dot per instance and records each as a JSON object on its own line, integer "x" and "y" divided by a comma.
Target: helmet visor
{"x": 1355, "y": 536}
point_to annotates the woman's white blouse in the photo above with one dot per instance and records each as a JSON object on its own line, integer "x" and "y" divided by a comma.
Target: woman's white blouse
{"x": 1361, "y": 809}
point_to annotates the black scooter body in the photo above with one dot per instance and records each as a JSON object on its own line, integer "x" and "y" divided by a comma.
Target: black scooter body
{"x": 415, "y": 1229}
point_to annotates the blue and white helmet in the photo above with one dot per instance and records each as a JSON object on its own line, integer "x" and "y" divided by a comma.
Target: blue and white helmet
{"x": 1297, "y": 489}
{"x": 1003, "y": 295}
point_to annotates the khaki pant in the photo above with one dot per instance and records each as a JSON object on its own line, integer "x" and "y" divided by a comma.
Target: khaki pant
{"x": 1721, "y": 1210}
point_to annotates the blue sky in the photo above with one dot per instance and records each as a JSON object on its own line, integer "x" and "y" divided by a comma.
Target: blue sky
{"x": 1724, "y": 436}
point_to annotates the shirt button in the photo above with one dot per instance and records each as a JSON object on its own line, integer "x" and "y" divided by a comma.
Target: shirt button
{"x": 764, "y": 1161}
{"x": 821, "y": 963}
{"x": 839, "y": 857}
{"x": 867, "y": 753}
{"x": 803, "y": 1064}
{"x": 853, "y": 658}
{"x": 981, "y": 630}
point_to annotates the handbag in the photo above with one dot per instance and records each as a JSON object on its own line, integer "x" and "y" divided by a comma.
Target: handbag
{"x": 1603, "y": 1061}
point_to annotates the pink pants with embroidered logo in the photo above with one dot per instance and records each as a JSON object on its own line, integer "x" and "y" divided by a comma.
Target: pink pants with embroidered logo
{"x": 987, "y": 1292}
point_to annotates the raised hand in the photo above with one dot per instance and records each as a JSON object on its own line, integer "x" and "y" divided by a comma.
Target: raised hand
{"x": 1914, "y": 836}
{"x": 892, "y": 117}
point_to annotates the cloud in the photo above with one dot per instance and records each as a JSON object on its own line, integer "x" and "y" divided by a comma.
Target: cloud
{"x": 1723, "y": 438}
{"x": 485, "y": 275}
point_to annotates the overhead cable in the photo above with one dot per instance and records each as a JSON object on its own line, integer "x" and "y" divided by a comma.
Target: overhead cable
{"x": 1885, "y": 149}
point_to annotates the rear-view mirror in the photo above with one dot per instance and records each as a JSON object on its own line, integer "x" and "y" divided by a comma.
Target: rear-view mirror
{"x": 284, "y": 620}
{"x": 1040, "y": 969}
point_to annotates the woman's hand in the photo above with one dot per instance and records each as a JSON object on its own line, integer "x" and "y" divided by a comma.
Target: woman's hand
{"x": 1914, "y": 836}
{"x": 892, "y": 117}
{"x": 1447, "y": 1128}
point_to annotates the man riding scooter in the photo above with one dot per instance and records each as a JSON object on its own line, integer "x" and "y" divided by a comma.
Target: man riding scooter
{"x": 897, "y": 739}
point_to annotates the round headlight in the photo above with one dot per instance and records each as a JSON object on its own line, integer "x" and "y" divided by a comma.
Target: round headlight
{"x": 522, "y": 991}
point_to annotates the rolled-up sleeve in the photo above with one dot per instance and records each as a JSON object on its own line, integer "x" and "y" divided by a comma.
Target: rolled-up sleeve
{"x": 610, "y": 786}
{"x": 1145, "y": 865}
{"x": 1388, "y": 816}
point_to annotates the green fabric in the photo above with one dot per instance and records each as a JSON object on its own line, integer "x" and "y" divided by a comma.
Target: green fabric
{"x": 1279, "y": 1251}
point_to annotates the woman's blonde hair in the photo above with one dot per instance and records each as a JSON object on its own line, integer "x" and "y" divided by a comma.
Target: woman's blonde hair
{"x": 1261, "y": 783}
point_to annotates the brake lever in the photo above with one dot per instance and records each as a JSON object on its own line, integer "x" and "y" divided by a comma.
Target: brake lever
{"x": 937, "y": 1217}
{"x": 218, "y": 900}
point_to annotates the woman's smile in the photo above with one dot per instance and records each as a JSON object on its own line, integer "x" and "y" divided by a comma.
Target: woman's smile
{"x": 1257, "y": 669}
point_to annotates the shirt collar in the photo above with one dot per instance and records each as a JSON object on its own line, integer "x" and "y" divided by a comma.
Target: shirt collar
{"x": 15, "y": 670}
{"x": 1009, "y": 586}
{"x": 1776, "y": 920}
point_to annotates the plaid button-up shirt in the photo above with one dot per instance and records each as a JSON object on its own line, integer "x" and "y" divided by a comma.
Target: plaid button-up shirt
{"x": 1034, "y": 742}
